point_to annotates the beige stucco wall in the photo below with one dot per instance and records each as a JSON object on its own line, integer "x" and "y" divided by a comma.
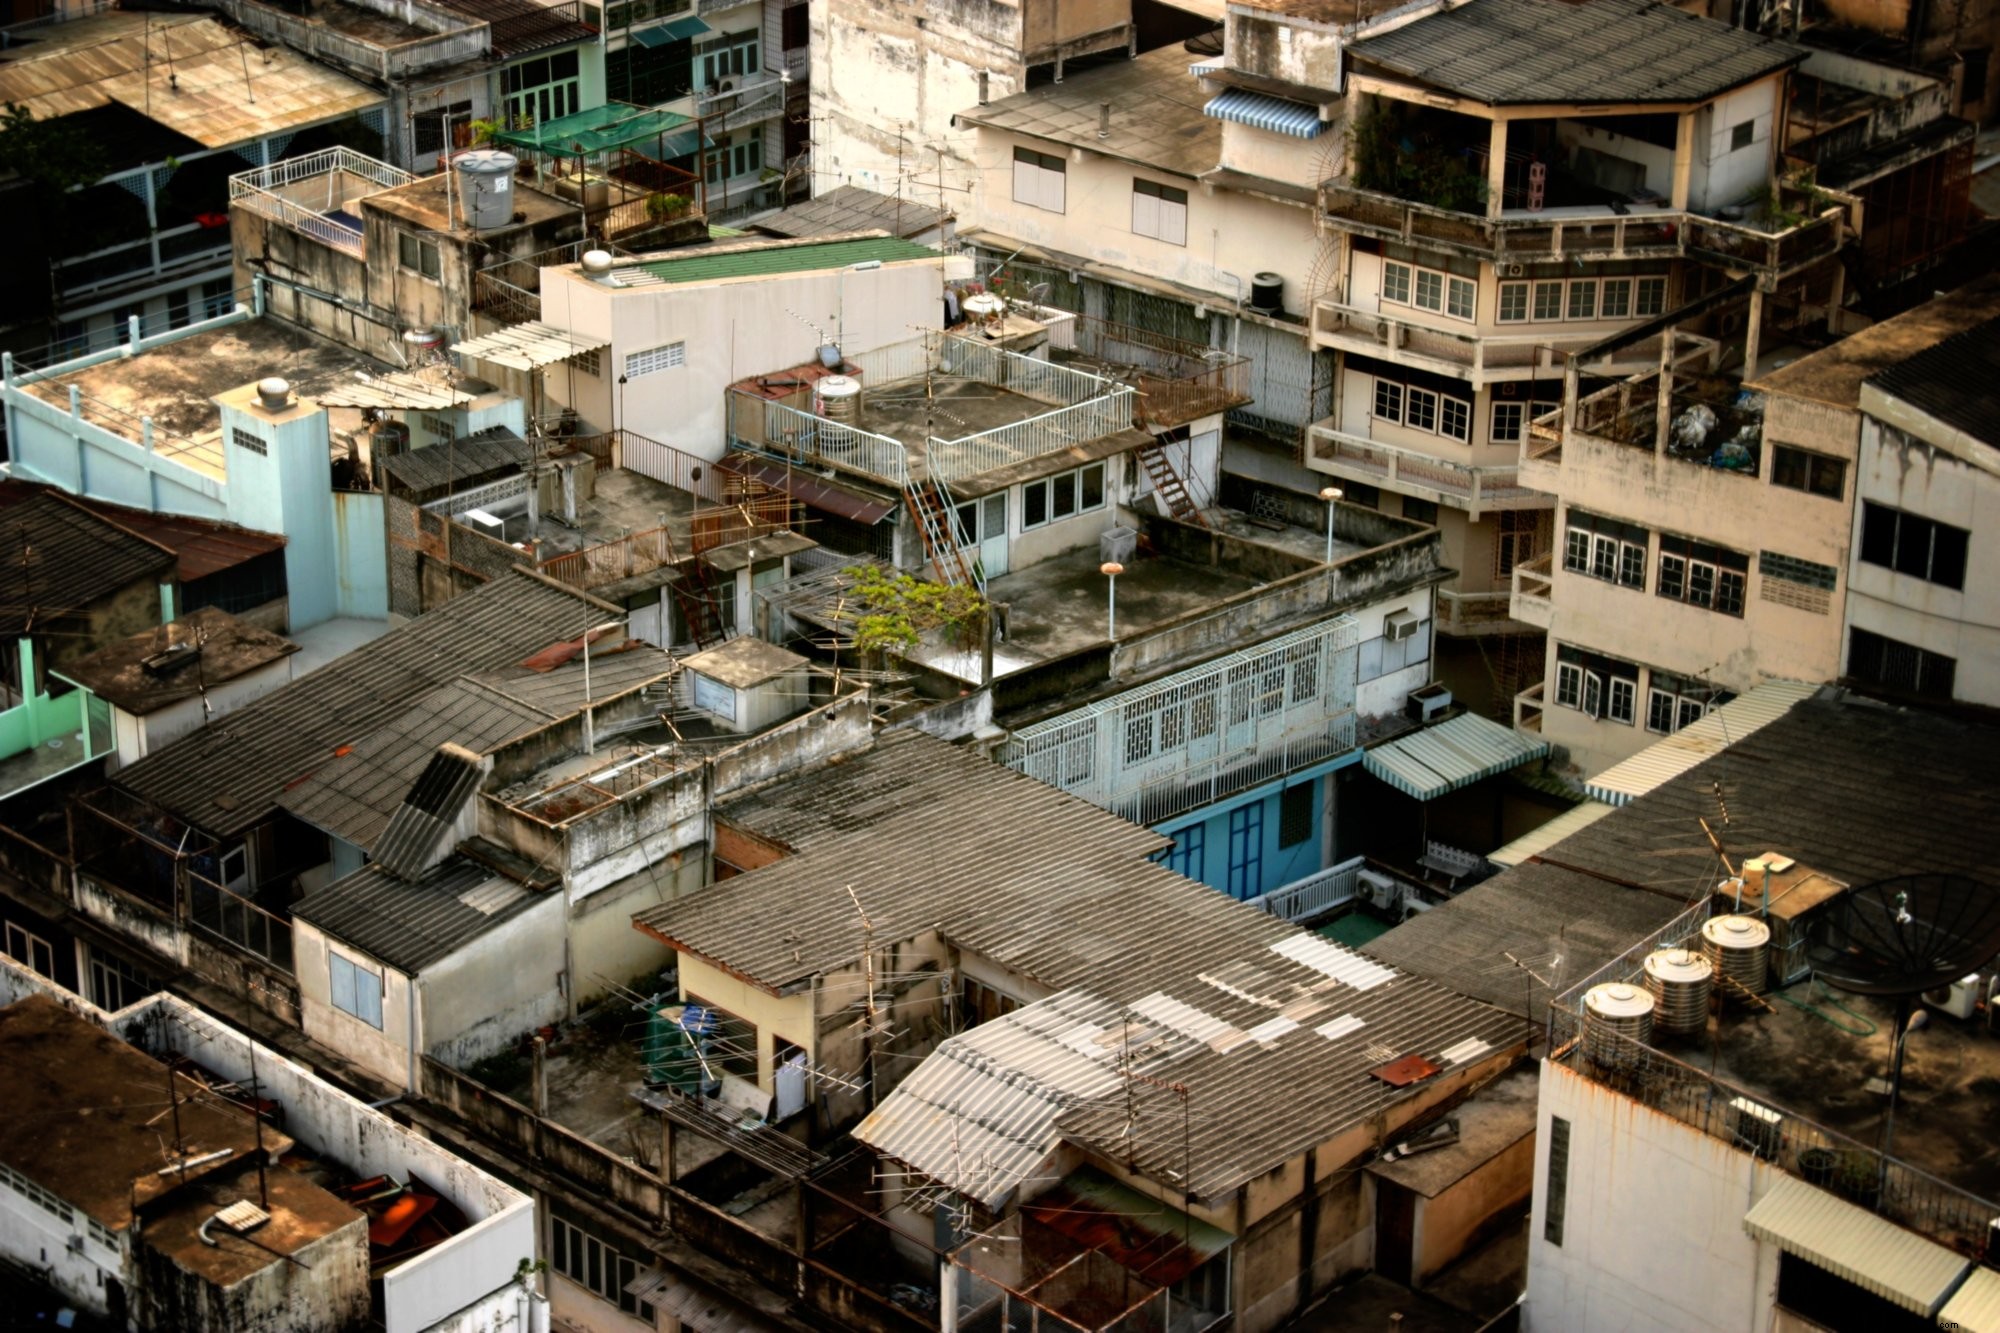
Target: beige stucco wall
{"x": 777, "y": 1018}
{"x": 385, "y": 1051}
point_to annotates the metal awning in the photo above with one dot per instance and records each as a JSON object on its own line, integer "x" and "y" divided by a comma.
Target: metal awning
{"x": 1530, "y": 845}
{"x": 1666, "y": 760}
{"x": 812, "y": 490}
{"x": 673, "y": 30}
{"x": 1873, "y": 1253}
{"x": 398, "y": 391}
{"x": 1974, "y": 1307}
{"x": 1261, "y": 111}
{"x": 1450, "y": 755}
{"x": 529, "y": 346}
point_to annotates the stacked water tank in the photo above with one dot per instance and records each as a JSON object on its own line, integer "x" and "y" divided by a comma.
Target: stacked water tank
{"x": 1679, "y": 981}
{"x": 1617, "y": 1021}
{"x": 1739, "y": 949}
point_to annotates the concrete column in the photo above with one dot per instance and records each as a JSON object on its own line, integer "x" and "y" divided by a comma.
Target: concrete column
{"x": 1753, "y": 328}
{"x": 1663, "y": 414}
{"x": 1496, "y": 168}
{"x": 1683, "y": 160}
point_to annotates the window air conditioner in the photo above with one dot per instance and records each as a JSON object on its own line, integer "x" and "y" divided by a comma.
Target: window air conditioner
{"x": 1399, "y": 625}
{"x": 1756, "y": 1127}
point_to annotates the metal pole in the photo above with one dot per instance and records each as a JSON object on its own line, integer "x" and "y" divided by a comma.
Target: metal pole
{"x": 1332, "y": 496}
{"x": 589, "y": 732}
{"x": 1111, "y": 569}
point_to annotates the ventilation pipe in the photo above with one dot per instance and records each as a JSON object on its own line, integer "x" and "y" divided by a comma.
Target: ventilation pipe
{"x": 1104, "y": 120}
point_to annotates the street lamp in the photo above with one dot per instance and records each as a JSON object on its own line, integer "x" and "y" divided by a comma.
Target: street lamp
{"x": 589, "y": 729}
{"x": 1332, "y": 496}
{"x": 1111, "y": 569}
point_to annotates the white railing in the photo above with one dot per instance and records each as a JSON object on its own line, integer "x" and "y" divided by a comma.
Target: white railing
{"x": 292, "y": 170}
{"x": 1458, "y": 484}
{"x": 762, "y": 424}
{"x": 258, "y": 190}
{"x": 1049, "y": 433}
{"x": 1196, "y": 736}
{"x": 1315, "y": 895}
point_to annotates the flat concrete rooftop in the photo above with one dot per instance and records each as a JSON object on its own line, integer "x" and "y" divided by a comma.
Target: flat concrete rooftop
{"x": 1060, "y": 605}
{"x": 431, "y": 206}
{"x": 174, "y": 384}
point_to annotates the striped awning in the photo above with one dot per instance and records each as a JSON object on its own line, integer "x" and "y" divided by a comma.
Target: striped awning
{"x": 1873, "y": 1253}
{"x": 397, "y": 391}
{"x": 1450, "y": 755}
{"x": 529, "y": 346}
{"x": 1665, "y": 760}
{"x": 1261, "y": 111}
{"x": 1976, "y": 1305}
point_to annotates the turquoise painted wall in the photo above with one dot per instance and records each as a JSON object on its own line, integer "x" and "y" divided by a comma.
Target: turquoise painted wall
{"x": 1203, "y": 844}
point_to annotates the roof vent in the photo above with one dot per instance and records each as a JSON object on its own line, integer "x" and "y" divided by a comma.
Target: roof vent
{"x": 274, "y": 393}
{"x": 596, "y": 261}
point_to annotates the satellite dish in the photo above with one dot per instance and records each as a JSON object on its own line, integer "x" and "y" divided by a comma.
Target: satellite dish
{"x": 1905, "y": 935}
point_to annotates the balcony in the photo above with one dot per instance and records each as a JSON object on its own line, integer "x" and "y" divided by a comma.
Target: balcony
{"x": 1480, "y": 359}
{"x": 1473, "y": 614}
{"x": 1313, "y": 896}
{"x": 1194, "y": 737}
{"x": 312, "y": 194}
{"x": 1534, "y": 592}
{"x": 1528, "y": 707}
{"x": 743, "y": 100}
{"x": 387, "y": 42}
{"x": 1413, "y": 472}
{"x": 1589, "y": 232}
{"x": 1630, "y": 415}
{"x": 1178, "y": 381}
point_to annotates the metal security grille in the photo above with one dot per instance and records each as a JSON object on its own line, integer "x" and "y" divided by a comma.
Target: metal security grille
{"x": 1291, "y": 386}
{"x": 1556, "y": 1202}
{"x": 1162, "y": 750}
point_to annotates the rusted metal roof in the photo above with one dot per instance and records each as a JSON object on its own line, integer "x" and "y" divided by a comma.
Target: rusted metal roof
{"x": 814, "y": 491}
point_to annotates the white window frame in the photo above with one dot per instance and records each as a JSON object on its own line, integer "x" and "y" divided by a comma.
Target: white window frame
{"x": 1621, "y": 700}
{"x": 1159, "y": 211}
{"x": 31, "y": 951}
{"x": 345, "y": 976}
{"x": 1396, "y": 281}
{"x": 1391, "y": 391}
{"x": 1498, "y": 434}
{"x": 1430, "y": 289}
{"x": 1569, "y": 685}
{"x": 1039, "y": 179}
{"x": 652, "y": 360}
{"x": 1079, "y": 508}
{"x": 1623, "y": 288}
{"x": 1411, "y": 396}
{"x": 1514, "y": 303}
{"x": 1649, "y": 296}
{"x": 1454, "y": 418}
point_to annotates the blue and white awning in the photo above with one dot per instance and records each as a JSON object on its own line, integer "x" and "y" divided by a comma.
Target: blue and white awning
{"x": 1263, "y": 112}
{"x": 1450, "y": 755}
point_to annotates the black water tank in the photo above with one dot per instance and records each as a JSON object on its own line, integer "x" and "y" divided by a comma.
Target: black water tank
{"x": 1267, "y": 293}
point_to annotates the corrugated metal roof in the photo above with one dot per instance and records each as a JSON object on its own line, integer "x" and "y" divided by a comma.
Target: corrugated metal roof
{"x": 811, "y": 489}
{"x": 1504, "y": 52}
{"x": 1873, "y": 1253}
{"x": 529, "y": 346}
{"x": 1453, "y": 754}
{"x": 61, "y": 557}
{"x": 1262, "y": 112}
{"x": 393, "y": 392}
{"x": 1975, "y": 1307}
{"x": 417, "y": 832}
{"x": 771, "y": 258}
{"x": 1667, "y": 759}
{"x": 407, "y": 924}
{"x": 1579, "y": 816}
{"x": 1957, "y": 381}
{"x": 481, "y": 456}
{"x": 850, "y": 208}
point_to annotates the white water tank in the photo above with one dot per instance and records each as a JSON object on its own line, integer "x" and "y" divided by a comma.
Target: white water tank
{"x": 486, "y": 182}
{"x": 839, "y": 398}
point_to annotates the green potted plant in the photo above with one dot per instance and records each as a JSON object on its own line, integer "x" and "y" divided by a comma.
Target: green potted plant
{"x": 666, "y": 207}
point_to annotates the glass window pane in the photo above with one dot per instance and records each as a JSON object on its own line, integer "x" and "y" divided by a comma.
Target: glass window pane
{"x": 1583, "y": 300}
{"x": 1617, "y": 298}
{"x": 1513, "y": 302}
{"x": 1460, "y": 297}
{"x": 1034, "y": 504}
{"x": 1548, "y": 300}
{"x": 1430, "y": 289}
{"x": 1396, "y": 283}
{"x": 1065, "y": 497}
{"x": 1093, "y": 486}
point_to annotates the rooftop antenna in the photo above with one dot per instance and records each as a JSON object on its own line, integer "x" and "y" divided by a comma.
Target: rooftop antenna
{"x": 257, "y": 1118}
{"x": 868, "y": 980}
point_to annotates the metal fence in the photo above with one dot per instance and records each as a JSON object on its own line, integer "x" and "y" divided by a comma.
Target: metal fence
{"x": 1159, "y": 751}
{"x": 234, "y": 918}
{"x": 759, "y": 423}
{"x": 1051, "y": 432}
{"x": 1315, "y": 895}
{"x": 274, "y": 192}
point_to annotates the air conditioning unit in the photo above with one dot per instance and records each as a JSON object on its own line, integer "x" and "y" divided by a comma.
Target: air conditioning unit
{"x": 1400, "y": 625}
{"x": 1427, "y": 704}
{"x": 1960, "y": 999}
{"x": 726, "y": 86}
{"x": 487, "y": 524}
{"x": 1756, "y": 1127}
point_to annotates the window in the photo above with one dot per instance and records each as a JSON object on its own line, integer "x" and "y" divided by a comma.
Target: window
{"x": 1038, "y": 180}
{"x": 1555, "y": 1191}
{"x": 115, "y": 983}
{"x": 980, "y": 1003}
{"x": 1429, "y": 289}
{"x": 1875, "y": 660}
{"x": 1388, "y": 400}
{"x": 1602, "y": 687}
{"x": 1298, "y": 814}
{"x": 1702, "y": 575}
{"x": 795, "y": 28}
{"x": 1605, "y": 548}
{"x": 1513, "y": 302}
{"x": 243, "y": 439}
{"x": 1455, "y": 418}
{"x": 1420, "y": 511}
{"x": 1396, "y": 283}
{"x": 589, "y": 363}
{"x": 655, "y": 359}
{"x": 1672, "y": 702}
{"x": 1382, "y": 655}
{"x": 595, "y": 1266}
{"x": 1652, "y": 297}
{"x": 1617, "y": 302}
{"x": 1548, "y": 300}
{"x": 1742, "y": 136}
{"x": 1911, "y": 544}
{"x": 431, "y": 131}
{"x": 540, "y": 90}
{"x": 1064, "y": 495}
{"x": 735, "y": 155}
{"x": 1423, "y": 408}
{"x": 1583, "y": 300}
{"x": 216, "y": 298}
{"x": 1159, "y": 211}
{"x": 1509, "y": 420}
{"x": 1813, "y": 473}
{"x": 1246, "y": 850}
{"x": 1186, "y": 857}
{"x": 357, "y": 990}
{"x": 646, "y": 75}
{"x": 30, "y": 950}
{"x": 415, "y": 256}
{"x": 731, "y": 55}
{"x": 1523, "y": 534}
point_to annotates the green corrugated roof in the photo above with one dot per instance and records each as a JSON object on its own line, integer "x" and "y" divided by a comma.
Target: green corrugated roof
{"x": 597, "y": 130}
{"x": 763, "y": 262}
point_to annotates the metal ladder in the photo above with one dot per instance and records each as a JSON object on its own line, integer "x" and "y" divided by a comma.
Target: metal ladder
{"x": 694, "y": 595}
{"x": 932, "y": 509}
{"x": 1167, "y": 484}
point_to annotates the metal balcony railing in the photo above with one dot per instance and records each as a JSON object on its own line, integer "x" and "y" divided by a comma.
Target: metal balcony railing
{"x": 1461, "y": 485}
{"x": 303, "y": 193}
{"x": 1313, "y": 896}
{"x": 1177, "y": 381}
